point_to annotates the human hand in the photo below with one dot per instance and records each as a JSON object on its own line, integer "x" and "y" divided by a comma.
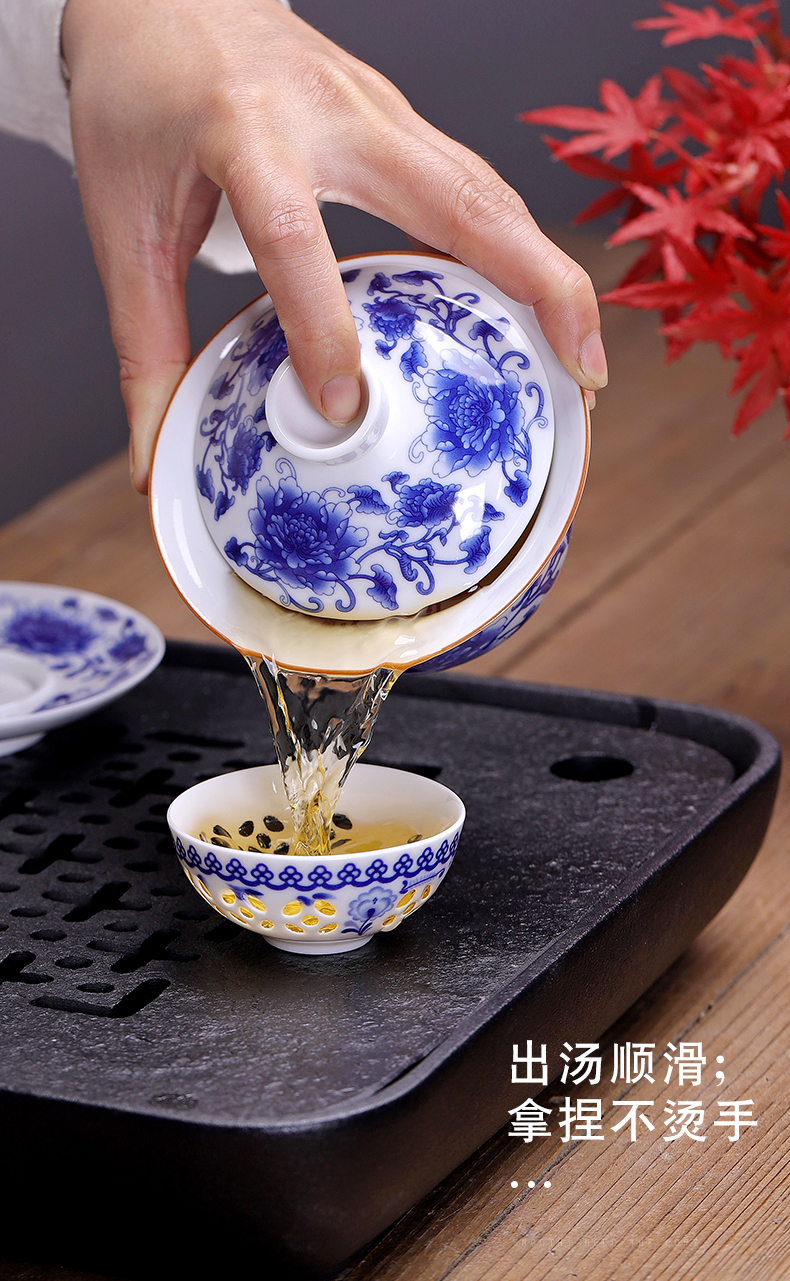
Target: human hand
{"x": 174, "y": 101}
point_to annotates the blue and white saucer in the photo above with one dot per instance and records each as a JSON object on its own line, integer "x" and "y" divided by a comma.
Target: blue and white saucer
{"x": 63, "y": 654}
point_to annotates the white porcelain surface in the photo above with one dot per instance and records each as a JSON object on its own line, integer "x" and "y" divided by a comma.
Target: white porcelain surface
{"x": 63, "y": 654}
{"x": 424, "y": 494}
{"x": 25, "y": 682}
{"x": 256, "y": 626}
{"x": 318, "y": 905}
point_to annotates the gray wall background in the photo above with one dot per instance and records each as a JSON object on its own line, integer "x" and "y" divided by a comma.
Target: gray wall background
{"x": 469, "y": 66}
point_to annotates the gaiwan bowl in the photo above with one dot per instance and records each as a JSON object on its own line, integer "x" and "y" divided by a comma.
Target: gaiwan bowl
{"x": 307, "y": 904}
{"x": 409, "y": 517}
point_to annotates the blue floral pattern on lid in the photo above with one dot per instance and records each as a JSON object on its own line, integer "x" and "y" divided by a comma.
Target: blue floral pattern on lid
{"x": 474, "y": 418}
{"x": 366, "y": 541}
{"x": 306, "y": 542}
{"x": 229, "y": 428}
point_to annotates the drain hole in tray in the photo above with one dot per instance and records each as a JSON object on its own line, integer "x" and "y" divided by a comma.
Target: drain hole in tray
{"x": 14, "y": 969}
{"x": 62, "y": 847}
{"x": 427, "y": 771}
{"x": 592, "y": 768}
{"x": 132, "y": 1003}
{"x": 17, "y": 801}
{"x": 222, "y": 933}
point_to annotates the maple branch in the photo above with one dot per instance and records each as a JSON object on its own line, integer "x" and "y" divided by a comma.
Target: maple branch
{"x": 714, "y": 272}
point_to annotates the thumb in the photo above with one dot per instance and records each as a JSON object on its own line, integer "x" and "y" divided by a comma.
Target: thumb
{"x": 143, "y": 270}
{"x": 151, "y": 335}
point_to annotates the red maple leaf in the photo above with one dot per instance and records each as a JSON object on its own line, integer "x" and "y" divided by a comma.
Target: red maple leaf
{"x": 690, "y": 94}
{"x": 765, "y": 320}
{"x": 705, "y": 327}
{"x": 624, "y": 122}
{"x": 761, "y": 396}
{"x": 714, "y": 271}
{"x": 775, "y": 240}
{"x": 754, "y": 124}
{"x": 762, "y": 69}
{"x": 646, "y": 266}
{"x": 743, "y": 127}
{"x": 703, "y": 287}
{"x": 679, "y": 216}
{"x": 684, "y": 24}
{"x": 706, "y": 285}
{"x": 640, "y": 168}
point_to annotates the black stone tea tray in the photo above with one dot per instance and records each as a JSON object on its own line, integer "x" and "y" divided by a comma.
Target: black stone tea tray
{"x": 179, "y": 1098}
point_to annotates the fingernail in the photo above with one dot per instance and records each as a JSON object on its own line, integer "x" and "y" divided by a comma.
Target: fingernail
{"x": 592, "y": 359}
{"x": 341, "y": 399}
{"x": 589, "y": 396}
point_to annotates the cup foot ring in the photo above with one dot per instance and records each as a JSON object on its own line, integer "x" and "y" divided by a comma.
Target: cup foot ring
{"x": 316, "y": 948}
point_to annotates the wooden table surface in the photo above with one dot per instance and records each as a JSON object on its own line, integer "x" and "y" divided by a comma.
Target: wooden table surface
{"x": 677, "y": 585}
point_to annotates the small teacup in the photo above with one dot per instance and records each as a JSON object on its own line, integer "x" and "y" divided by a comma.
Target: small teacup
{"x": 324, "y": 904}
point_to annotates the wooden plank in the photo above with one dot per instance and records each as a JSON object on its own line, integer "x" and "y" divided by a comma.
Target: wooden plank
{"x": 94, "y": 534}
{"x": 706, "y": 620}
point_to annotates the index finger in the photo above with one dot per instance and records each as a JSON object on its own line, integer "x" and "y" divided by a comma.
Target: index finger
{"x": 444, "y": 196}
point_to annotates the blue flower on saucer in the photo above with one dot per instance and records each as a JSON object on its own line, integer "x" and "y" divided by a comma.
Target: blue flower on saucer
{"x": 129, "y": 646}
{"x": 42, "y": 631}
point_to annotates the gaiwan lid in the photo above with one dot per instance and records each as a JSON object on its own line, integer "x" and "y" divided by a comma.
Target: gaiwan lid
{"x": 418, "y": 499}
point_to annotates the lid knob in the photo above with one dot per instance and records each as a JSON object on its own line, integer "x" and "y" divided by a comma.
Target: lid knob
{"x": 303, "y": 432}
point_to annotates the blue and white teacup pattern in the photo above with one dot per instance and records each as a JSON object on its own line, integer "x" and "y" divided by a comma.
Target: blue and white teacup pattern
{"x": 319, "y": 905}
